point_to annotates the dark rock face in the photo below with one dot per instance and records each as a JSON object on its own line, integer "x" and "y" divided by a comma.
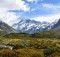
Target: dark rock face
{"x": 56, "y": 25}
{"x": 56, "y": 28}
{"x": 6, "y": 28}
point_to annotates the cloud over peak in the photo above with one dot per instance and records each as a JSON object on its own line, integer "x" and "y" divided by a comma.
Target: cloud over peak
{"x": 6, "y": 5}
{"x": 40, "y": 10}
{"x": 48, "y": 18}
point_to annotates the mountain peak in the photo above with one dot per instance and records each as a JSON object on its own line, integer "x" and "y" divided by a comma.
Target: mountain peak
{"x": 30, "y": 26}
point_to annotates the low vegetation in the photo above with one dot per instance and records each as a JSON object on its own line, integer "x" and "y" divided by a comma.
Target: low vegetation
{"x": 30, "y": 45}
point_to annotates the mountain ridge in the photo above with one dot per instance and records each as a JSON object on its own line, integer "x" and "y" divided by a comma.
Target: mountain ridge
{"x": 56, "y": 28}
{"x": 30, "y": 26}
{"x": 6, "y": 28}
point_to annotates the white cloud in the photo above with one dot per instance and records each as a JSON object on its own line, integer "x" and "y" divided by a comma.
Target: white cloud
{"x": 48, "y": 18}
{"x": 14, "y": 4}
{"x": 51, "y": 6}
{"x": 8, "y": 17}
{"x": 34, "y": 0}
{"x": 22, "y": 5}
{"x": 6, "y": 5}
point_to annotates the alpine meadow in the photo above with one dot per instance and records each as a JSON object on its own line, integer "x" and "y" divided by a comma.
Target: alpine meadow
{"x": 29, "y": 28}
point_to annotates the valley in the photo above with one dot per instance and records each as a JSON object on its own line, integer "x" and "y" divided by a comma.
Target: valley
{"x": 41, "y": 42}
{"x": 30, "y": 45}
{"x": 29, "y": 28}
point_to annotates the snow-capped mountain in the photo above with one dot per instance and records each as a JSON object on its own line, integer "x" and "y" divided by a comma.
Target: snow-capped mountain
{"x": 30, "y": 26}
{"x": 51, "y": 25}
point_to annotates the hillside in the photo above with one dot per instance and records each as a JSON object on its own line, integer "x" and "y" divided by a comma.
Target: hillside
{"x": 56, "y": 28}
{"x": 5, "y": 28}
{"x": 46, "y": 34}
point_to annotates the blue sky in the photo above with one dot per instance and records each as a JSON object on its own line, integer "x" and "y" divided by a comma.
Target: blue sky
{"x": 37, "y": 8}
{"x": 12, "y": 11}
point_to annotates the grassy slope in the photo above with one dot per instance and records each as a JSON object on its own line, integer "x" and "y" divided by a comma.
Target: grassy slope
{"x": 47, "y": 34}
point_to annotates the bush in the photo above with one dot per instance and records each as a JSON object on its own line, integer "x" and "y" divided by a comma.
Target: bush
{"x": 51, "y": 50}
{"x": 21, "y": 53}
{"x": 17, "y": 46}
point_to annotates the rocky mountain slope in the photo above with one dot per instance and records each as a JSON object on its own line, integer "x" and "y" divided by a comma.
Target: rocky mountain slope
{"x": 56, "y": 27}
{"x": 6, "y": 28}
{"x": 30, "y": 26}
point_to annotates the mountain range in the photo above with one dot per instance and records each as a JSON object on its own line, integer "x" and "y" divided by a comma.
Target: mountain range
{"x": 32, "y": 26}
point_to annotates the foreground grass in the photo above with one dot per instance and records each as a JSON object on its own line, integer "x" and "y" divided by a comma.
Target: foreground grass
{"x": 19, "y": 40}
{"x": 21, "y": 53}
{"x": 31, "y": 47}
